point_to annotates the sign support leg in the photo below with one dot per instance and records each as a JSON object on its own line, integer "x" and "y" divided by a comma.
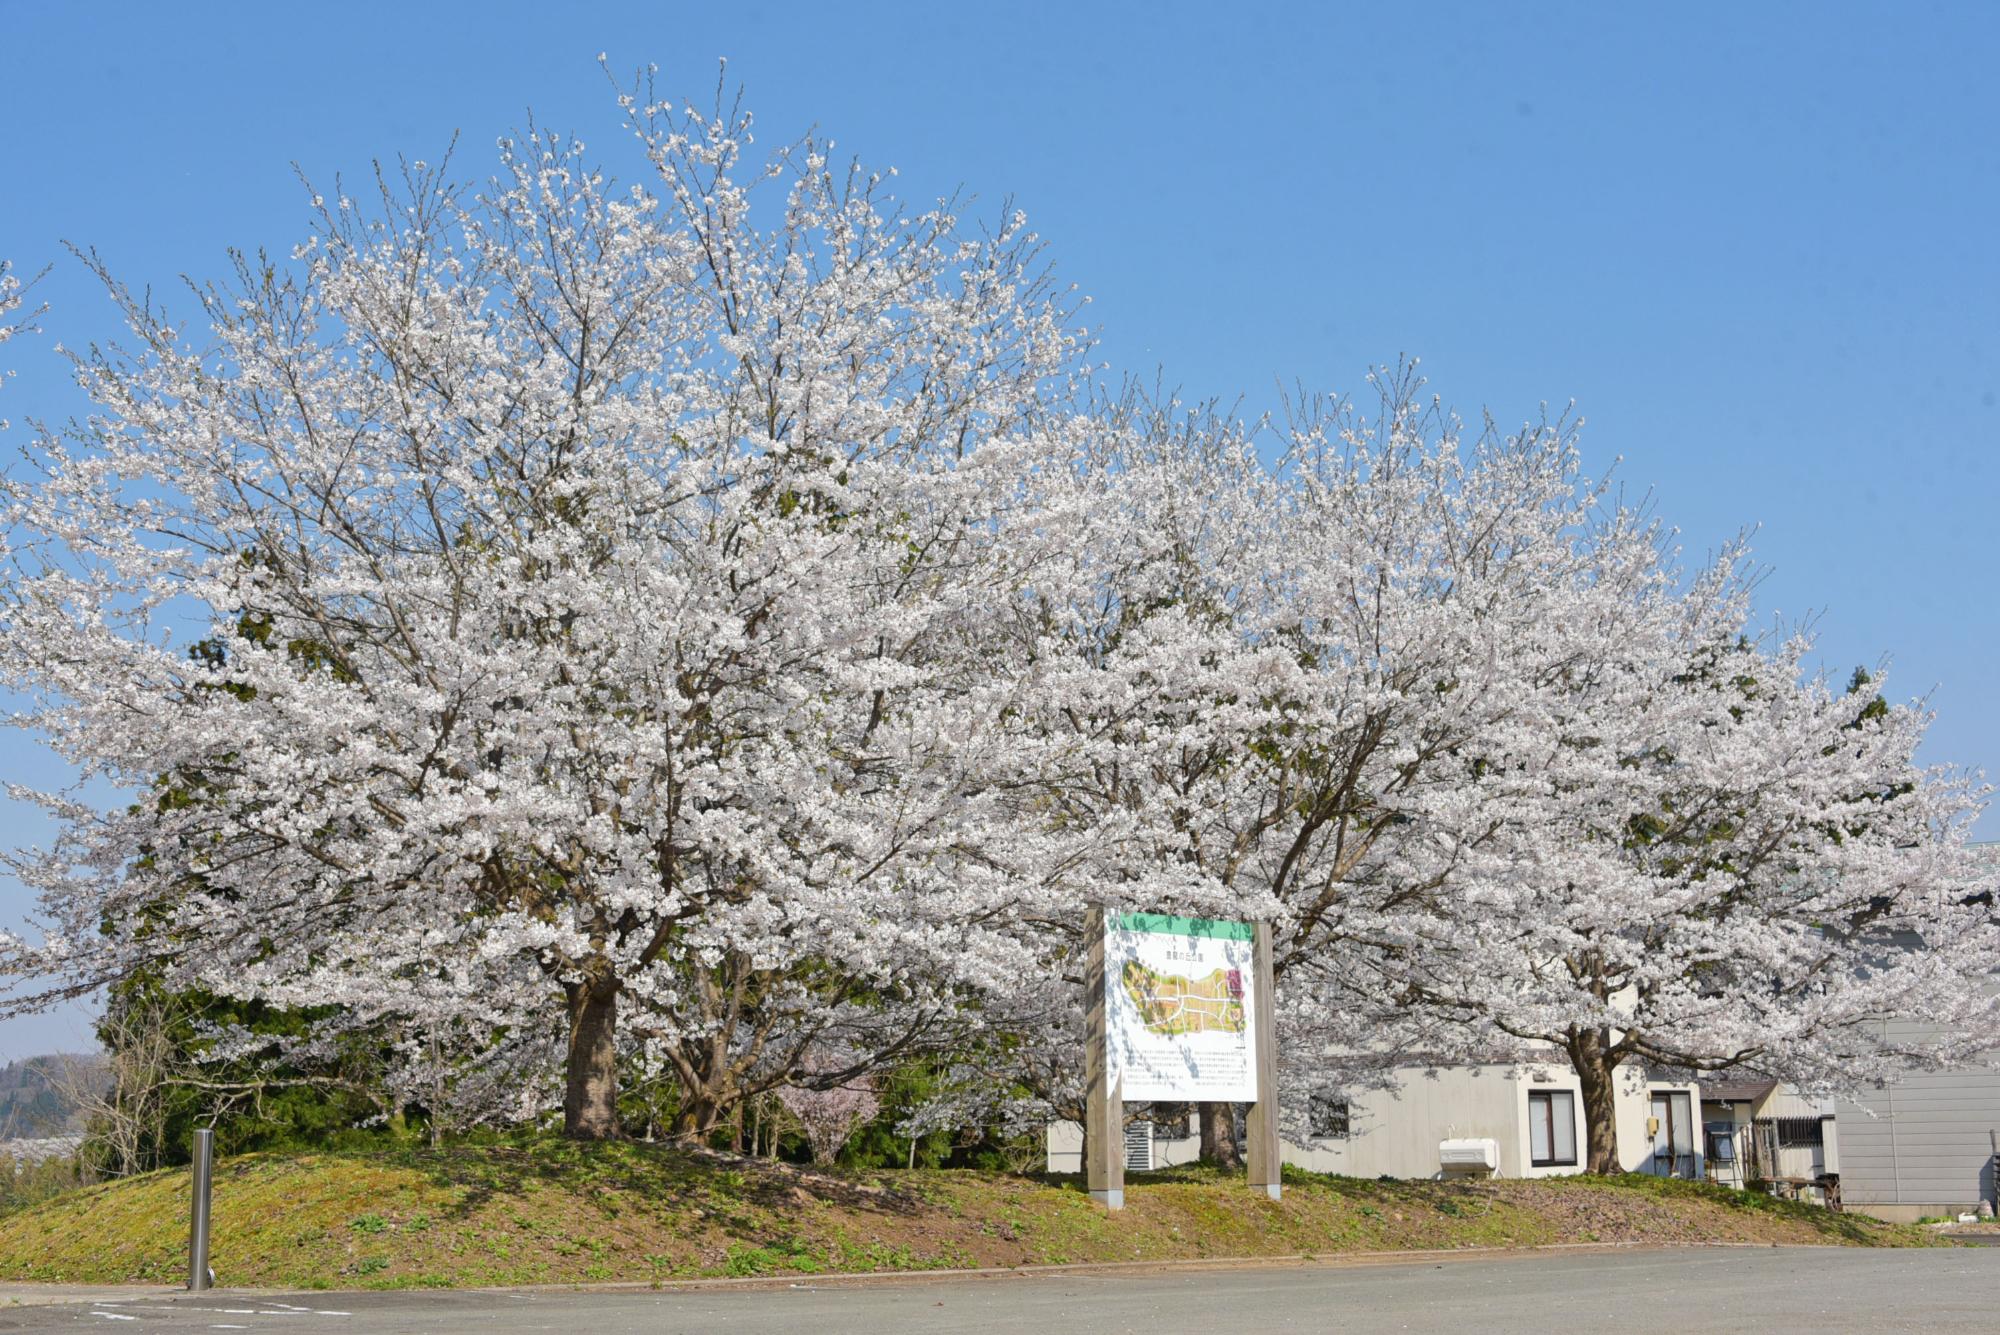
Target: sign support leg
{"x": 1104, "y": 1106}
{"x": 1264, "y": 1154}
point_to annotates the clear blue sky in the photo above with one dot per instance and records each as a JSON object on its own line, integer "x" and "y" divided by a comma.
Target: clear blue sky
{"x": 1757, "y": 244}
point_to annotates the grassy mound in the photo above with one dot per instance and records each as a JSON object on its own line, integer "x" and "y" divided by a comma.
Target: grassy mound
{"x": 553, "y": 1212}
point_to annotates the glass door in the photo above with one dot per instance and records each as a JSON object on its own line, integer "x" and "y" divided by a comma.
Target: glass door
{"x": 1674, "y": 1152}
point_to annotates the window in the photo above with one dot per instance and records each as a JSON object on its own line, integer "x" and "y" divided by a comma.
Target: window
{"x": 1551, "y": 1128}
{"x": 1798, "y": 1133}
{"x": 1327, "y": 1117}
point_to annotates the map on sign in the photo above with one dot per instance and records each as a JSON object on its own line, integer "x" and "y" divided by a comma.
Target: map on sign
{"x": 1173, "y": 1003}
{"x": 1179, "y": 1008}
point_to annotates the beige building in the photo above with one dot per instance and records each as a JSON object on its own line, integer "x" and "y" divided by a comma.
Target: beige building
{"x": 1509, "y": 1120}
{"x": 1758, "y": 1130}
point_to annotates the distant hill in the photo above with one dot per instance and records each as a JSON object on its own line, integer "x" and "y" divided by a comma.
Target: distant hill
{"x": 37, "y": 1093}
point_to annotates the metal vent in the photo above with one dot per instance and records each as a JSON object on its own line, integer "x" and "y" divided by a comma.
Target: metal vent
{"x": 1139, "y": 1147}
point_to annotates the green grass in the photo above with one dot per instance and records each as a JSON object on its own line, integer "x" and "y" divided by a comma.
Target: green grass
{"x": 552, "y": 1212}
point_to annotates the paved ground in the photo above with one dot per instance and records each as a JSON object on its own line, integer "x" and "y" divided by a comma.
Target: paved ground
{"x": 1685, "y": 1292}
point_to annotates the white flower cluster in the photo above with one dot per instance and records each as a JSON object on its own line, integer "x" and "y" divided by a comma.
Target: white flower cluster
{"x": 14, "y": 318}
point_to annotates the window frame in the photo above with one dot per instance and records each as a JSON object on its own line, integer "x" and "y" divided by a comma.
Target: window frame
{"x": 1800, "y": 1133}
{"x": 1547, "y": 1098}
{"x": 1328, "y": 1103}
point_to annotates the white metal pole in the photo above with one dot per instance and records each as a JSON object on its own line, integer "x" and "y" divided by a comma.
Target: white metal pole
{"x": 199, "y": 1275}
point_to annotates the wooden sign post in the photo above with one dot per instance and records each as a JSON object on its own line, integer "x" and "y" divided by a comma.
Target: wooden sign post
{"x": 1264, "y": 1155}
{"x": 1104, "y": 1107}
{"x": 1188, "y": 1005}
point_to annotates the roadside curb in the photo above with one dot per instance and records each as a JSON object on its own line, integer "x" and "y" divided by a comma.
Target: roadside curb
{"x": 28, "y": 1293}
{"x": 1295, "y": 1260}
{"x": 22, "y": 1293}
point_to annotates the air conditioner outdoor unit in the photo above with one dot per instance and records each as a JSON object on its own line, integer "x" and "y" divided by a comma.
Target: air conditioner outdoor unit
{"x": 1469, "y": 1156}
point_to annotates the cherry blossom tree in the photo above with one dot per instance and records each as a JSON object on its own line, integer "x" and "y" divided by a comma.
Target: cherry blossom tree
{"x": 1685, "y": 851}
{"x": 1272, "y": 670}
{"x": 1162, "y": 685}
{"x": 588, "y": 590}
{"x": 1263, "y": 672}
{"x": 1357, "y": 694}
{"x": 1515, "y": 732}
{"x": 1417, "y": 568}
{"x": 831, "y": 1115}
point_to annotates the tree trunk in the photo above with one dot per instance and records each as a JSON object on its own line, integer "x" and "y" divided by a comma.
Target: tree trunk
{"x": 590, "y": 1099}
{"x": 708, "y": 1092}
{"x": 695, "y": 1118}
{"x": 1218, "y": 1134}
{"x": 1589, "y": 1053}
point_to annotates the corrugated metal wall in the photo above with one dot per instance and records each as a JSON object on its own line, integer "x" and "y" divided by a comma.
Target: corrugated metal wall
{"x": 1930, "y": 1142}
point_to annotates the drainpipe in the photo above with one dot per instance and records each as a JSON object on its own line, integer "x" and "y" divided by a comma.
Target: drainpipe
{"x": 1993, "y": 1171}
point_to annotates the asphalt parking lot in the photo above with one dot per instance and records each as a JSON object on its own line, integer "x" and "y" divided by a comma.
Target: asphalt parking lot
{"x": 1687, "y": 1291}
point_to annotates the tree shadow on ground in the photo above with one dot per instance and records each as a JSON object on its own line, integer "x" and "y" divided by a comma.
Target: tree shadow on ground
{"x": 735, "y": 1194}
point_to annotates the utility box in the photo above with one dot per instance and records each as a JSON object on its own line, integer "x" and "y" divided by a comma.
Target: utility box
{"x": 1469, "y": 1158}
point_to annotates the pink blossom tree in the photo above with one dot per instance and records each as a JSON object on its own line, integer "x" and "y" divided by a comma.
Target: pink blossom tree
{"x": 830, "y": 1116}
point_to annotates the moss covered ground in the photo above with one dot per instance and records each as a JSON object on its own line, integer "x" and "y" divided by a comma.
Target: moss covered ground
{"x": 550, "y": 1212}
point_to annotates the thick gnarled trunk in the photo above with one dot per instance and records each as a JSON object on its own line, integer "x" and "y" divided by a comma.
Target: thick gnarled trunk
{"x": 1597, "y": 1073}
{"x": 590, "y": 1096}
{"x": 1218, "y": 1134}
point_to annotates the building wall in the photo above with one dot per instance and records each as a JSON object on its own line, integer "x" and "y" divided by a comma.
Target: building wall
{"x": 1635, "y": 1106}
{"x": 1922, "y": 1146}
{"x": 1926, "y": 1144}
{"x": 1065, "y": 1142}
{"x": 1395, "y": 1132}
